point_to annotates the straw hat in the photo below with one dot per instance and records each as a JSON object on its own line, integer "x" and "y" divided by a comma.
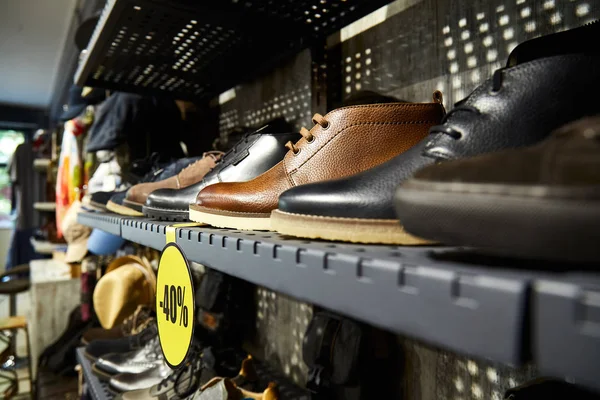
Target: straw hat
{"x": 129, "y": 281}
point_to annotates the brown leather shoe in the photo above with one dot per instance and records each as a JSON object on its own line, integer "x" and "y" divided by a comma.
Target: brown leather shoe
{"x": 344, "y": 142}
{"x": 137, "y": 195}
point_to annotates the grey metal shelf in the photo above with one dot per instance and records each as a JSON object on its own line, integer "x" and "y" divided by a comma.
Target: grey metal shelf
{"x": 107, "y": 222}
{"x": 451, "y": 298}
{"x": 145, "y": 232}
{"x": 97, "y": 389}
{"x": 568, "y": 311}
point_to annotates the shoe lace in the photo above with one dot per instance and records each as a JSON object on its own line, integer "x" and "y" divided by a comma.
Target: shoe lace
{"x": 461, "y": 106}
{"x": 131, "y": 323}
{"x": 448, "y": 130}
{"x": 317, "y": 119}
{"x": 214, "y": 154}
{"x": 194, "y": 366}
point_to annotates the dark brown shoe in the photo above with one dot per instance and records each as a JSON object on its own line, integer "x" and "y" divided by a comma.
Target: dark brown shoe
{"x": 130, "y": 326}
{"x": 539, "y": 202}
{"x": 342, "y": 143}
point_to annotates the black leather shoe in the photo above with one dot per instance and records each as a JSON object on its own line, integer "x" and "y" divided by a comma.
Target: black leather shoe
{"x": 519, "y": 106}
{"x": 541, "y": 201}
{"x": 256, "y": 153}
{"x": 98, "y": 348}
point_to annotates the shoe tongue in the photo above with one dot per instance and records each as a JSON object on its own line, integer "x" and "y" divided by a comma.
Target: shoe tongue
{"x": 568, "y": 42}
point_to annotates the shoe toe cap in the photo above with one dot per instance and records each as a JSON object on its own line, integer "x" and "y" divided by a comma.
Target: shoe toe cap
{"x": 109, "y": 363}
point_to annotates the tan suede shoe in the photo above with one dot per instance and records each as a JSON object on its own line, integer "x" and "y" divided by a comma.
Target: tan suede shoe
{"x": 344, "y": 142}
{"x": 137, "y": 195}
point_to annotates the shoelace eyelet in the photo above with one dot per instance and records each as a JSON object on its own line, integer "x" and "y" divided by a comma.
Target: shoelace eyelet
{"x": 312, "y": 139}
{"x": 326, "y": 126}
{"x": 296, "y": 152}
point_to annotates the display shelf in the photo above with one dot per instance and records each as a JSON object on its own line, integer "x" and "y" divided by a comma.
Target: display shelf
{"x": 575, "y": 302}
{"x": 45, "y": 206}
{"x": 193, "y": 50}
{"x": 42, "y": 164}
{"x": 427, "y": 293}
{"x": 96, "y": 388}
{"x": 145, "y": 232}
{"x": 107, "y": 222}
{"x": 47, "y": 247}
{"x": 99, "y": 390}
{"x": 468, "y": 309}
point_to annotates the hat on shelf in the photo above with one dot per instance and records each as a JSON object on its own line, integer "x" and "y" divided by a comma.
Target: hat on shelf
{"x": 104, "y": 244}
{"x": 129, "y": 281}
{"x": 75, "y": 234}
{"x": 79, "y": 99}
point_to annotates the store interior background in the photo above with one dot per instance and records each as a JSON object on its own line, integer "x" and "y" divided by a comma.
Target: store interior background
{"x": 406, "y": 49}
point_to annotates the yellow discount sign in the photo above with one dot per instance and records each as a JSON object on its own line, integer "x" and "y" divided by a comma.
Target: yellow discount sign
{"x": 174, "y": 305}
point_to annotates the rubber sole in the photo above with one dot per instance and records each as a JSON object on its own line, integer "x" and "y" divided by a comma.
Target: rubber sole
{"x": 132, "y": 204}
{"x": 123, "y": 210}
{"x": 355, "y": 230}
{"x": 229, "y": 219}
{"x": 102, "y": 375}
{"x": 89, "y": 356}
{"x": 514, "y": 220}
{"x": 165, "y": 214}
{"x": 96, "y": 206}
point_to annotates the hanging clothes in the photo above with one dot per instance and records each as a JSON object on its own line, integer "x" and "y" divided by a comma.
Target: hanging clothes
{"x": 28, "y": 187}
{"x": 71, "y": 176}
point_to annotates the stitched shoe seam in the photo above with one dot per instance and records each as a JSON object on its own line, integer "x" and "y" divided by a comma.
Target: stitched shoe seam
{"x": 395, "y": 221}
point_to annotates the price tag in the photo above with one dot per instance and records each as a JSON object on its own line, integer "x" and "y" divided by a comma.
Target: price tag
{"x": 174, "y": 302}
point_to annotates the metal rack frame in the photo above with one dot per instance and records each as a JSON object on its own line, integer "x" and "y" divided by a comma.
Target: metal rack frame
{"x": 503, "y": 310}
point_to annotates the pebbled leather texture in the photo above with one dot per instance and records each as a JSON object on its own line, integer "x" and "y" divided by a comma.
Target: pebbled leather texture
{"x": 134, "y": 362}
{"x": 534, "y": 99}
{"x": 127, "y": 382}
{"x": 356, "y": 138}
{"x": 253, "y": 155}
{"x": 570, "y": 157}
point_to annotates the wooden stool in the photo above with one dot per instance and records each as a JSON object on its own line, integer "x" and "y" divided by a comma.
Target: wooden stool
{"x": 13, "y": 324}
{"x": 11, "y": 284}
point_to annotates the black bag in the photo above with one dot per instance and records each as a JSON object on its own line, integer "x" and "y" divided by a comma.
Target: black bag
{"x": 224, "y": 308}
{"x": 331, "y": 350}
{"x": 60, "y": 357}
{"x": 347, "y": 359}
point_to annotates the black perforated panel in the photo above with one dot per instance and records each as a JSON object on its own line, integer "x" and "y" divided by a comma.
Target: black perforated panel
{"x": 193, "y": 50}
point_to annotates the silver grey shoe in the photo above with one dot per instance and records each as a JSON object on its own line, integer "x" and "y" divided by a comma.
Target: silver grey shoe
{"x": 128, "y": 382}
{"x": 134, "y": 362}
{"x": 179, "y": 385}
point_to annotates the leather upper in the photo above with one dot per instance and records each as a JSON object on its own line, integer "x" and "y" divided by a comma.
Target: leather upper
{"x": 533, "y": 99}
{"x": 187, "y": 174}
{"x": 253, "y": 155}
{"x": 355, "y": 139}
{"x": 134, "y": 362}
{"x": 98, "y": 348}
{"x": 127, "y": 382}
{"x": 570, "y": 157}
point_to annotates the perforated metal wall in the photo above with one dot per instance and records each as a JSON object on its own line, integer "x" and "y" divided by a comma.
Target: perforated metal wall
{"x": 413, "y": 48}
